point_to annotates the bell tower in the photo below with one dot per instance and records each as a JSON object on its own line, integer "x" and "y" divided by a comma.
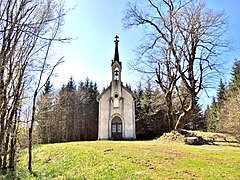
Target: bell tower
{"x": 116, "y": 105}
{"x": 116, "y": 71}
{"x": 116, "y": 64}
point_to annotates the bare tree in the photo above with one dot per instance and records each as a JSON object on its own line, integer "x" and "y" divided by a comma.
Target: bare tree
{"x": 28, "y": 29}
{"x": 16, "y": 46}
{"x": 36, "y": 92}
{"x": 183, "y": 39}
{"x": 56, "y": 20}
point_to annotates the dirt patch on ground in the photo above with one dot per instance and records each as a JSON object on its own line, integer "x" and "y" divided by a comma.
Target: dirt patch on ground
{"x": 173, "y": 136}
{"x": 205, "y": 137}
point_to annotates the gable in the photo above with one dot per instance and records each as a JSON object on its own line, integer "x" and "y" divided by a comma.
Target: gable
{"x": 105, "y": 92}
{"x": 129, "y": 92}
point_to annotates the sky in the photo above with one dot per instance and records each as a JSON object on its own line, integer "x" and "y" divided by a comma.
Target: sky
{"x": 92, "y": 25}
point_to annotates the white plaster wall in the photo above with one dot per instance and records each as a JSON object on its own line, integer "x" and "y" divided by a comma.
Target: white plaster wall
{"x": 126, "y": 112}
{"x": 129, "y": 115}
{"x": 103, "y": 115}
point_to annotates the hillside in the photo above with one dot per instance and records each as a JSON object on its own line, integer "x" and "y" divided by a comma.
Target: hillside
{"x": 131, "y": 160}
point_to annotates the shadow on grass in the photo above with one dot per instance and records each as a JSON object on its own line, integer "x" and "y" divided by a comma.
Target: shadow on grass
{"x": 12, "y": 174}
{"x": 9, "y": 174}
{"x": 226, "y": 143}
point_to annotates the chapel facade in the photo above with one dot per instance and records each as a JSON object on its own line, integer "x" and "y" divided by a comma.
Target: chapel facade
{"x": 116, "y": 106}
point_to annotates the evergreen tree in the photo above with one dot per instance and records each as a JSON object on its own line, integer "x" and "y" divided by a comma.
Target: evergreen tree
{"x": 147, "y": 100}
{"x": 70, "y": 85}
{"x": 234, "y": 86}
{"x": 236, "y": 74}
{"x": 74, "y": 113}
{"x": 212, "y": 113}
{"x": 138, "y": 110}
{"x": 47, "y": 87}
{"x": 150, "y": 114}
{"x": 88, "y": 107}
{"x": 221, "y": 96}
{"x": 229, "y": 118}
{"x": 44, "y": 115}
{"x": 212, "y": 116}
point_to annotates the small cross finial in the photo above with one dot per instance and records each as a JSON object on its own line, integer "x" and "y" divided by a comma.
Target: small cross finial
{"x": 116, "y": 54}
{"x": 116, "y": 37}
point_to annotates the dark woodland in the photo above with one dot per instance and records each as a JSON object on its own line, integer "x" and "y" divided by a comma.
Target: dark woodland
{"x": 69, "y": 115}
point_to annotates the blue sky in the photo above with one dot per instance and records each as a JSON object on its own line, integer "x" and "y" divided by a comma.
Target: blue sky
{"x": 93, "y": 25}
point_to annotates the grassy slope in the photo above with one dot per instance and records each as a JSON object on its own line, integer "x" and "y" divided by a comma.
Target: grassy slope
{"x": 131, "y": 160}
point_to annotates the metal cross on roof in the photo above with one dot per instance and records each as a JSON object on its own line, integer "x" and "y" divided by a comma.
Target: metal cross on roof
{"x": 116, "y": 37}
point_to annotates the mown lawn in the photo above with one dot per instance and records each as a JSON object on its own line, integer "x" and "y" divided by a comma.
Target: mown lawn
{"x": 130, "y": 160}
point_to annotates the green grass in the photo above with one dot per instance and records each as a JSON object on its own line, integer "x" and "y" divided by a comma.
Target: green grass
{"x": 130, "y": 160}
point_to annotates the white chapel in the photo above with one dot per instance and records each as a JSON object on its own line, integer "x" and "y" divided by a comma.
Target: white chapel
{"x": 116, "y": 106}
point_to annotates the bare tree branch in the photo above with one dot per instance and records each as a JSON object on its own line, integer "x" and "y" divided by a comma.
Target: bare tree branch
{"x": 187, "y": 38}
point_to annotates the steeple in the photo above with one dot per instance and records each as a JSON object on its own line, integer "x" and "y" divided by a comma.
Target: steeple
{"x": 116, "y": 64}
{"x": 116, "y": 54}
{"x": 116, "y": 105}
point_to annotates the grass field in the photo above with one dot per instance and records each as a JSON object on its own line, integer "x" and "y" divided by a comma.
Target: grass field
{"x": 130, "y": 160}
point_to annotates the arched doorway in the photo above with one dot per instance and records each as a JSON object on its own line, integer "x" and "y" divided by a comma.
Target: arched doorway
{"x": 116, "y": 128}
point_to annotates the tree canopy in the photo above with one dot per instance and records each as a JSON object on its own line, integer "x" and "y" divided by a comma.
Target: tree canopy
{"x": 182, "y": 41}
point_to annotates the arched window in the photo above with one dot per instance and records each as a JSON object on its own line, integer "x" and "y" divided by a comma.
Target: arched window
{"x": 116, "y": 74}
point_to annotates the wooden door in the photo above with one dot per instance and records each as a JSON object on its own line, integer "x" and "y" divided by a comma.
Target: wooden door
{"x": 116, "y": 128}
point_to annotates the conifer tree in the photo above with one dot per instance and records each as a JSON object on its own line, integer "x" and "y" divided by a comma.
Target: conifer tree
{"x": 212, "y": 116}
{"x": 235, "y": 80}
{"x": 221, "y": 94}
{"x": 44, "y": 113}
{"x": 147, "y": 100}
{"x": 150, "y": 113}
{"x": 74, "y": 113}
{"x": 229, "y": 117}
{"x": 47, "y": 87}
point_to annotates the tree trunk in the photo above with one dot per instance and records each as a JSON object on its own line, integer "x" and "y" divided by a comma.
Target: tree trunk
{"x": 30, "y": 133}
{"x": 2, "y": 135}
{"x": 169, "y": 112}
{"x": 182, "y": 119}
{"x": 5, "y": 151}
{"x": 13, "y": 142}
